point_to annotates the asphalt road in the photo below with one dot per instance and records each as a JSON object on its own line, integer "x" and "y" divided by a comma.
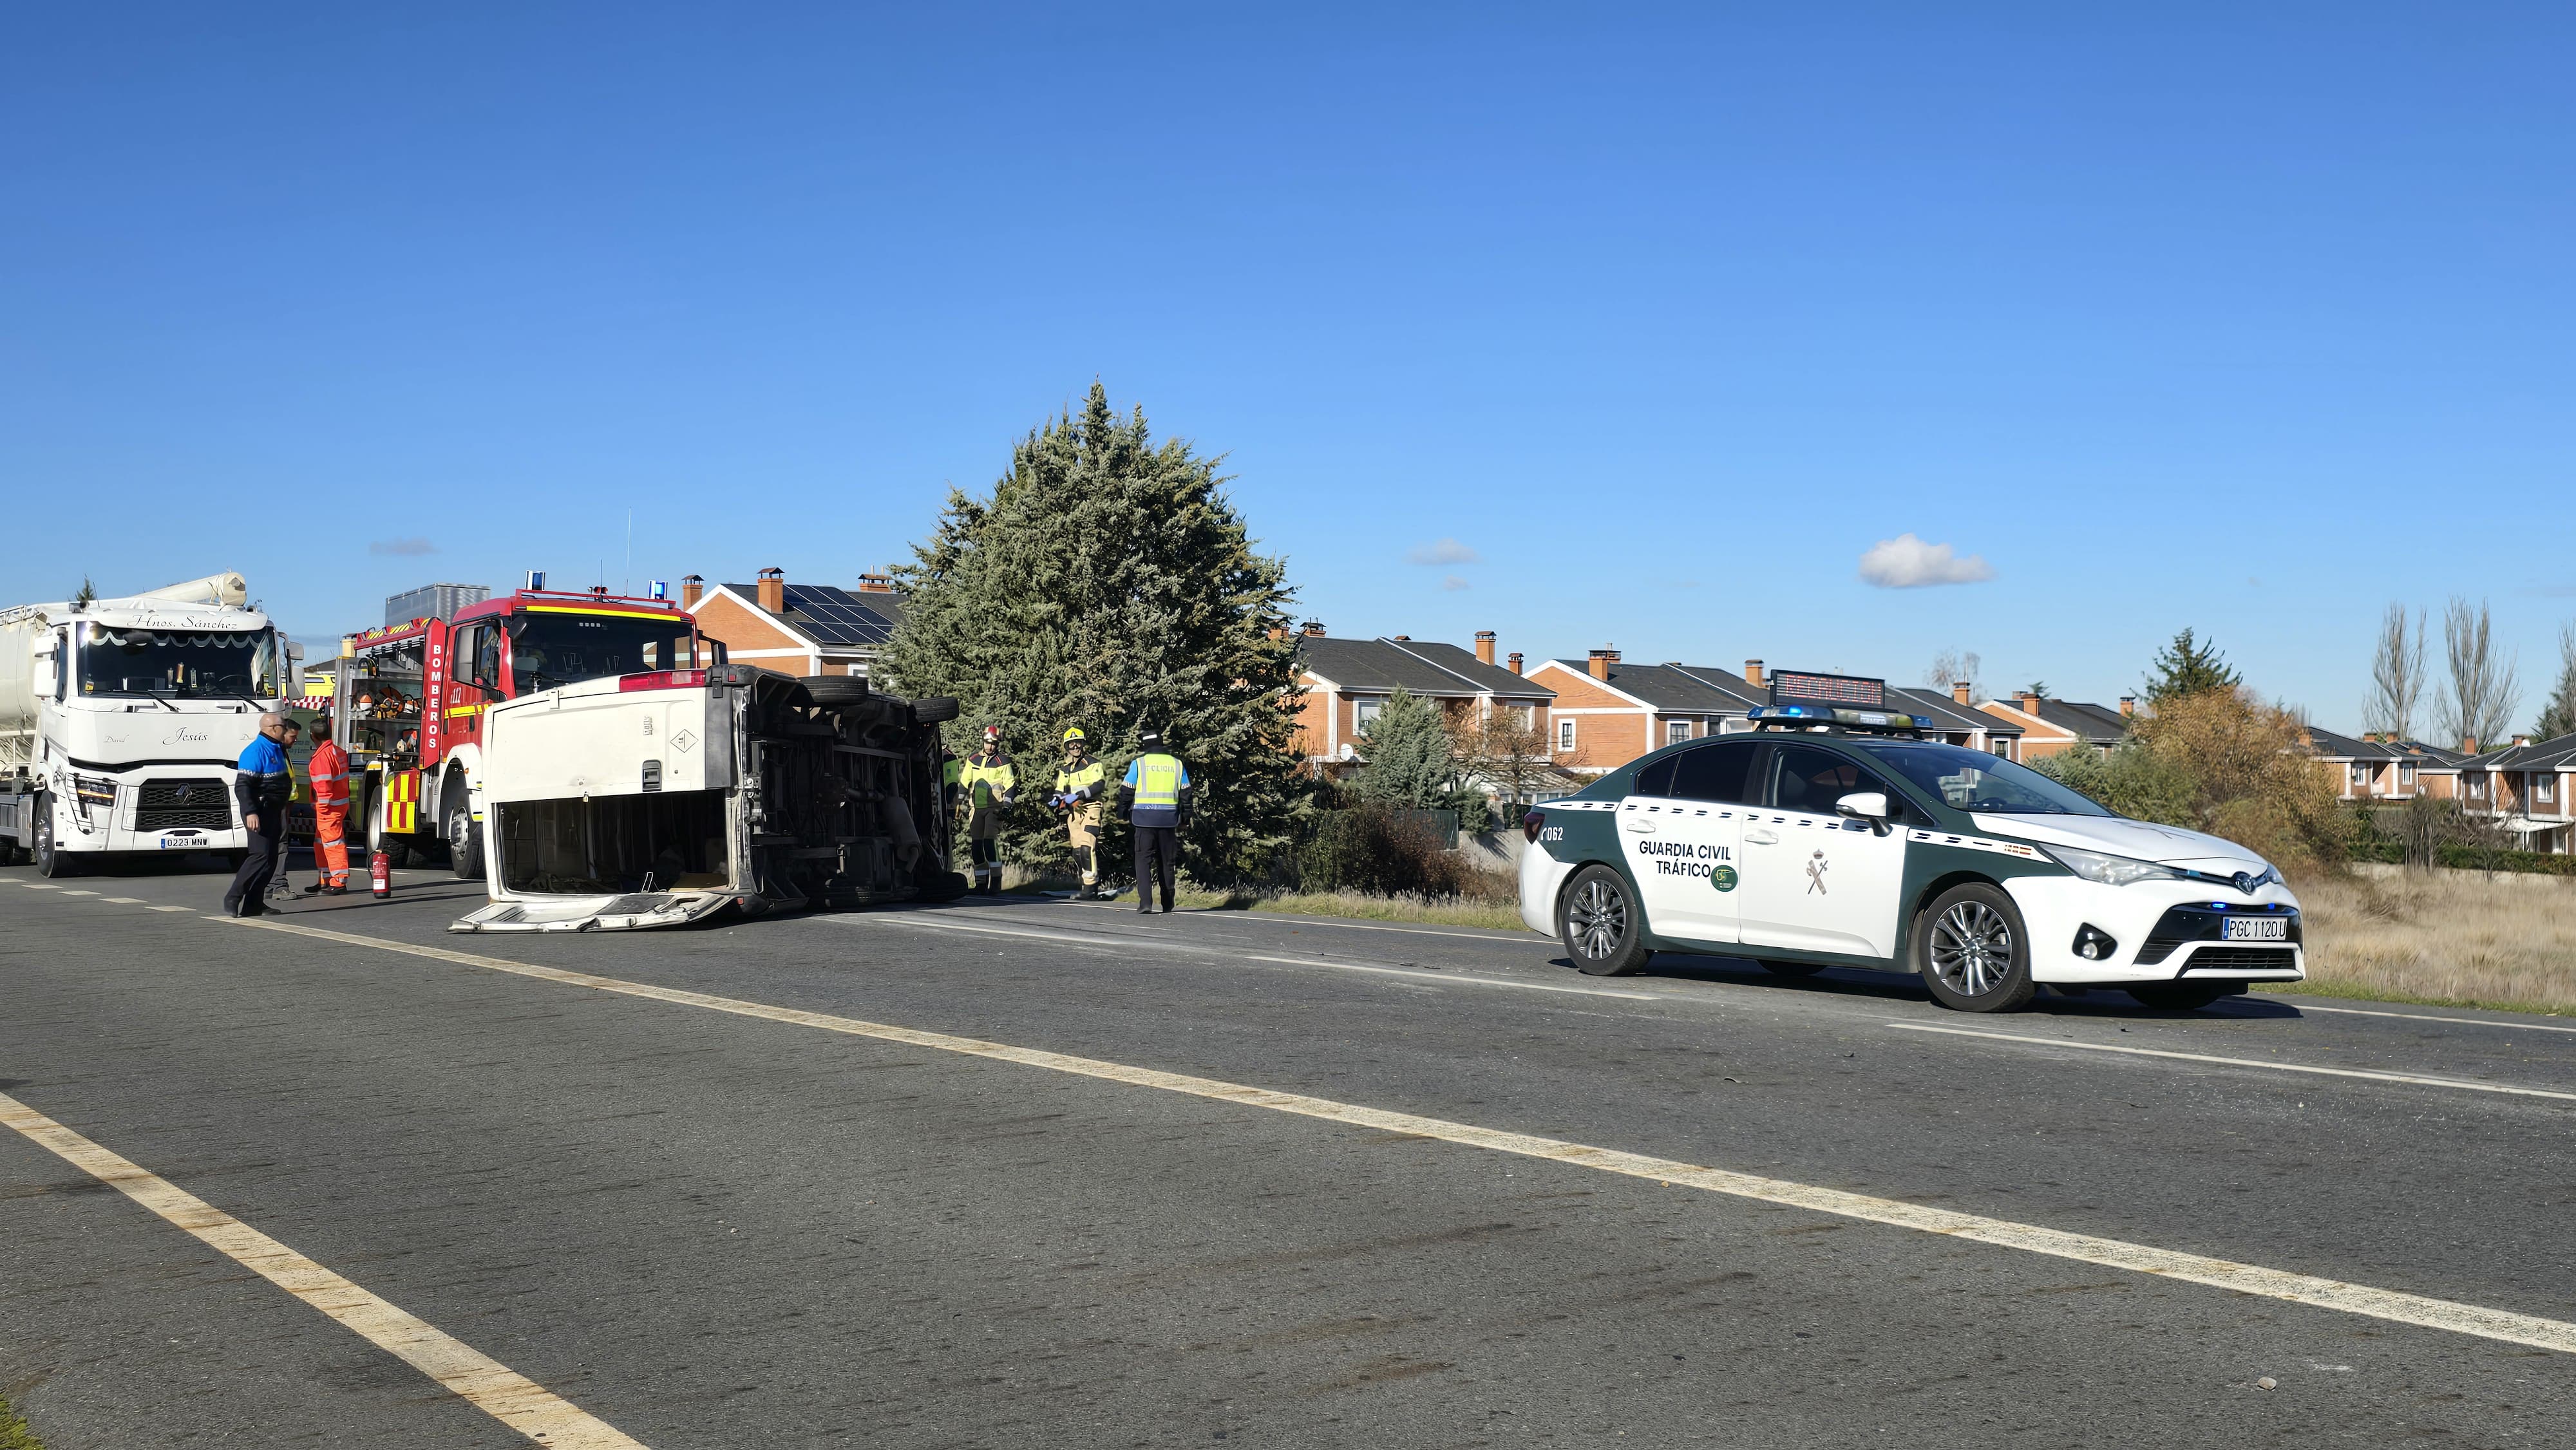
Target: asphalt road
{"x": 707, "y": 1228}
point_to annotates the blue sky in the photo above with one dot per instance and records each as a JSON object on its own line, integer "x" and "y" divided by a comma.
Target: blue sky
{"x": 2239, "y": 318}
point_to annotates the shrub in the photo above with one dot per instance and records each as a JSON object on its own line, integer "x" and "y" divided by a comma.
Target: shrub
{"x": 2224, "y": 762}
{"x": 1374, "y": 847}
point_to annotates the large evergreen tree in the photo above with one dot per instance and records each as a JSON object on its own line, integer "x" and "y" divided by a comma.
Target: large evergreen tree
{"x": 2189, "y": 666}
{"x": 1108, "y": 582}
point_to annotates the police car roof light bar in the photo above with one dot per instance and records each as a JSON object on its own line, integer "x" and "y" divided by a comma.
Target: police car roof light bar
{"x": 1823, "y": 717}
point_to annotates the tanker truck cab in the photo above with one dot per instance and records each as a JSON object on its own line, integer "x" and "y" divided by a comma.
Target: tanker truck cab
{"x": 121, "y": 721}
{"x": 664, "y": 797}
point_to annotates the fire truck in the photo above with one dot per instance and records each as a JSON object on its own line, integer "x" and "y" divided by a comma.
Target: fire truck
{"x": 407, "y": 701}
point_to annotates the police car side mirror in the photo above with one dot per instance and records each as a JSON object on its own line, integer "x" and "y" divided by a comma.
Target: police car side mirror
{"x": 1865, "y": 805}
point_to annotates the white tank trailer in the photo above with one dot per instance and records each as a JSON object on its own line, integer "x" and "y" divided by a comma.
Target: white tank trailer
{"x": 120, "y": 721}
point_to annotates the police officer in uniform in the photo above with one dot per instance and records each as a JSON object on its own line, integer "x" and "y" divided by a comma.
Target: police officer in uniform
{"x": 1078, "y": 788}
{"x": 986, "y": 781}
{"x": 262, "y": 782}
{"x": 1156, "y": 797}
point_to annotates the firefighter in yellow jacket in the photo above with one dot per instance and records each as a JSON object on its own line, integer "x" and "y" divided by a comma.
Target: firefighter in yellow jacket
{"x": 985, "y": 784}
{"x": 1078, "y": 789}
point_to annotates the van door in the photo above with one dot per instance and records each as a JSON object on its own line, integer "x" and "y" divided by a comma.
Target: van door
{"x": 1816, "y": 881}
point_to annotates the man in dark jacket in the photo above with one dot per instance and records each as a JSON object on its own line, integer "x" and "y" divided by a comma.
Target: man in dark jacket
{"x": 262, "y": 782}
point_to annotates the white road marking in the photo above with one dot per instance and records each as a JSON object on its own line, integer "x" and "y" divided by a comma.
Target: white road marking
{"x": 122, "y": 900}
{"x": 489, "y": 1385}
{"x": 38, "y": 886}
{"x": 174, "y": 908}
{"x": 2423, "y": 1017}
{"x": 2501, "y": 1325}
{"x": 1284, "y": 919}
{"x": 80, "y": 893}
{"x": 1123, "y": 943}
{"x": 2418, "y": 1079}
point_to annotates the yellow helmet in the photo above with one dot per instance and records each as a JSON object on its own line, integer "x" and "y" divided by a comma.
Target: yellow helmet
{"x": 1073, "y": 734}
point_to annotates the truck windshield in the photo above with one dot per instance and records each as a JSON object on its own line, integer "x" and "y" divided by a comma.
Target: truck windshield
{"x": 215, "y": 664}
{"x": 1972, "y": 780}
{"x": 547, "y": 650}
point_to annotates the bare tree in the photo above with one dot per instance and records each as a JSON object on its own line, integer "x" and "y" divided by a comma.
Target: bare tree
{"x": 2396, "y": 674}
{"x": 1951, "y": 666}
{"x": 2484, "y": 689}
{"x": 1508, "y": 750}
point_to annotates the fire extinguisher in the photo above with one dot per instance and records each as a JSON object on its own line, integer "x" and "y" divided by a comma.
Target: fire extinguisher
{"x": 380, "y": 875}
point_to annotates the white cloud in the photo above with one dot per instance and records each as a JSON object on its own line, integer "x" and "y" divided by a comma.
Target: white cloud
{"x": 1454, "y": 582}
{"x": 1906, "y": 562}
{"x": 402, "y": 548}
{"x": 1443, "y": 551}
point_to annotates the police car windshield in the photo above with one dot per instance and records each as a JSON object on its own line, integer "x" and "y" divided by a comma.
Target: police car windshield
{"x": 1972, "y": 780}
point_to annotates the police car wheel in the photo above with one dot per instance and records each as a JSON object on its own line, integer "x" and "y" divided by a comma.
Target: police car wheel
{"x": 1972, "y": 952}
{"x": 1597, "y": 920}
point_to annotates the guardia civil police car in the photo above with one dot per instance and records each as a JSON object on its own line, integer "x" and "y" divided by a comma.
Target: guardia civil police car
{"x": 1835, "y": 834}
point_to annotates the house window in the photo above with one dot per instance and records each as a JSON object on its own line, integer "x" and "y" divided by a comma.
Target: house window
{"x": 2477, "y": 783}
{"x": 2003, "y": 746}
{"x": 2544, "y": 788}
{"x": 1524, "y": 717}
{"x": 1364, "y": 714}
{"x": 1565, "y": 735}
{"x": 2406, "y": 776}
{"x": 2360, "y": 777}
{"x": 1676, "y": 731}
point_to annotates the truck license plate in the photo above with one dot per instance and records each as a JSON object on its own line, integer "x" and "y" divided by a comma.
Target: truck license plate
{"x": 2257, "y": 928}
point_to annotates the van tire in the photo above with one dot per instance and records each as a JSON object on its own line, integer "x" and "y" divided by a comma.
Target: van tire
{"x": 933, "y": 710}
{"x": 834, "y": 692}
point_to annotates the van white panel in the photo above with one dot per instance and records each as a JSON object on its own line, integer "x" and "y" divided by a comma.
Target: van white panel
{"x": 564, "y": 746}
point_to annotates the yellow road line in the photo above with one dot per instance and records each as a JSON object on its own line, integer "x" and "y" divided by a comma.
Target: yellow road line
{"x": 2360, "y": 1299}
{"x": 2418, "y": 1079}
{"x": 492, "y": 1387}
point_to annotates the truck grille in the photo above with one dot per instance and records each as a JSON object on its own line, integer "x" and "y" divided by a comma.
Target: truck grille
{"x": 2240, "y": 959}
{"x": 160, "y": 805}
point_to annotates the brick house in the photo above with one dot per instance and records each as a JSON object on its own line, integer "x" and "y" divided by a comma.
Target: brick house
{"x": 2527, "y": 789}
{"x": 1347, "y": 681}
{"x": 1957, "y": 721}
{"x": 1608, "y": 712}
{"x": 797, "y": 629}
{"x": 2052, "y": 727}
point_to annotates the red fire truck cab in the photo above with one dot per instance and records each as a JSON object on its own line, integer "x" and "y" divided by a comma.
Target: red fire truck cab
{"x": 408, "y": 702}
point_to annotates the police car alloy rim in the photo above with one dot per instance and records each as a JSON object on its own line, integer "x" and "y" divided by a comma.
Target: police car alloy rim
{"x": 1972, "y": 949}
{"x": 1599, "y": 918}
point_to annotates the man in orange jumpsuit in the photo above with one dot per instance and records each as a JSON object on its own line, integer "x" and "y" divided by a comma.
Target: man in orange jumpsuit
{"x": 329, "y": 773}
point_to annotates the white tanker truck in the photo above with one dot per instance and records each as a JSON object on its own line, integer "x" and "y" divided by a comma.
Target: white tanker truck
{"x": 121, "y": 719}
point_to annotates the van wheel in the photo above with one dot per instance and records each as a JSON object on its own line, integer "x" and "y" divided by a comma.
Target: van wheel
{"x": 1598, "y": 921}
{"x": 51, "y": 860}
{"x": 1971, "y": 950}
{"x": 464, "y": 842}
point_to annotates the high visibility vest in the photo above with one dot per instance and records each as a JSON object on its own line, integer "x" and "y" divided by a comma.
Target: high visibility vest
{"x": 329, "y": 772}
{"x": 1072, "y": 781}
{"x": 993, "y": 772}
{"x": 1158, "y": 781}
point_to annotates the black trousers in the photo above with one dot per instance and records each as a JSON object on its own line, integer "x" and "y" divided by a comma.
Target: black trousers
{"x": 267, "y": 849}
{"x": 1158, "y": 858}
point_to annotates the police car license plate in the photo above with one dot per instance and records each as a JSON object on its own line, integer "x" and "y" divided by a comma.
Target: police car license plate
{"x": 2257, "y": 928}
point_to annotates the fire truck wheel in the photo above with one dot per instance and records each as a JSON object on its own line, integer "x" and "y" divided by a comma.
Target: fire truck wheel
{"x": 933, "y": 710}
{"x": 464, "y": 843}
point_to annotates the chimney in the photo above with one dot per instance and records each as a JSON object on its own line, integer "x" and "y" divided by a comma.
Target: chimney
{"x": 2029, "y": 703}
{"x": 773, "y": 590}
{"x": 1753, "y": 673}
{"x": 2128, "y": 706}
{"x": 1278, "y": 632}
{"x": 876, "y": 584}
{"x": 1602, "y": 660}
{"x": 2468, "y": 745}
{"x": 1484, "y": 646}
{"x": 1959, "y": 692}
{"x": 2521, "y": 740}
{"x": 692, "y": 589}
{"x": 1314, "y": 629}
{"x": 1516, "y": 662}
{"x": 1406, "y": 638}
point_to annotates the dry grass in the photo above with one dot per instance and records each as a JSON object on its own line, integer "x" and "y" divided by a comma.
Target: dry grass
{"x": 2453, "y": 938}
{"x": 1430, "y": 911}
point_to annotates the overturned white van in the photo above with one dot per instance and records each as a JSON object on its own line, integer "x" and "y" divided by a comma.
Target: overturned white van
{"x": 663, "y": 798}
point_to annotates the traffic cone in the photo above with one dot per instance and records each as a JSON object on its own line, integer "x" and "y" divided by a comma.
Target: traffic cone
{"x": 380, "y": 875}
